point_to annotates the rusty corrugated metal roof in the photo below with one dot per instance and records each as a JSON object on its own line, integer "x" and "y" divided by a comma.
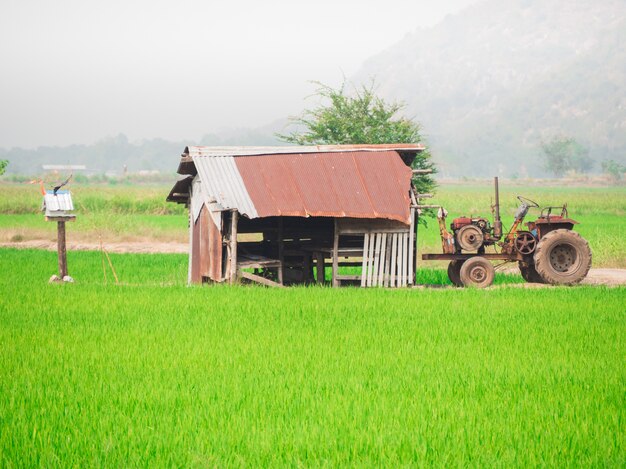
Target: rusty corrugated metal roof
{"x": 356, "y": 184}
{"x": 360, "y": 181}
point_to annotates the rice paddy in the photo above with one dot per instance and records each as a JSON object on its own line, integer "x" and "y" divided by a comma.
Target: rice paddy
{"x": 153, "y": 373}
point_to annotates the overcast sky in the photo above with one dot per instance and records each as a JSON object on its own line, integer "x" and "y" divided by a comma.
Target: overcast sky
{"x": 77, "y": 71}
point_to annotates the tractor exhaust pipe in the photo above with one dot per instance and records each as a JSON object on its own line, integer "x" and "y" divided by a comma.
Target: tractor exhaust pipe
{"x": 497, "y": 223}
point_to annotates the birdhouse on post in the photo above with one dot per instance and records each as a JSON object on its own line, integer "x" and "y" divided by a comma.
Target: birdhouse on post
{"x": 58, "y": 206}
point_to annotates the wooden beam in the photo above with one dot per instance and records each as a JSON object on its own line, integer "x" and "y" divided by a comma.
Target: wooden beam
{"x": 258, "y": 279}
{"x": 370, "y": 260}
{"x": 401, "y": 260}
{"x": 233, "y": 246}
{"x": 376, "y": 259}
{"x": 335, "y": 255}
{"x": 306, "y": 268}
{"x": 388, "y": 260}
{"x": 190, "y": 247}
{"x": 348, "y": 277}
{"x": 61, "y": 249}
{"x": 394, "y": 258}
{"x": 320, "y": 266}
{"x": 366, "y": 239}
{"x": 281, "y": 250}
{"x": 412, "y": 249}
{"x": 415, "y": 218}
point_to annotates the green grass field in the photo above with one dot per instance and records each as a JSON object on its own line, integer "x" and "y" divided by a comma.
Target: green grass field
{"x": 152, "y": 373}
{"x": 137, "y": 213}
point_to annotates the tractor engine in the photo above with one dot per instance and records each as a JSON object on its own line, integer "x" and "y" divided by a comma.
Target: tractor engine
{"x": 471, "y": 234}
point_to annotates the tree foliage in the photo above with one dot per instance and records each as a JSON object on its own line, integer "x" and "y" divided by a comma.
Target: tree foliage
{"x": 564, "y": 154}
{"x": 3, "y": 166}
{"x": 613, "y": 169}
{"x": 360, "y": 117}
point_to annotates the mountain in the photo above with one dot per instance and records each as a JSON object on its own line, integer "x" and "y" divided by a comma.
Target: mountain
{"x": 490, "y": 83}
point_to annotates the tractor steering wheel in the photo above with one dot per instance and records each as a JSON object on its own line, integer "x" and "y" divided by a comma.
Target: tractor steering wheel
{"x": 527, "y": 202}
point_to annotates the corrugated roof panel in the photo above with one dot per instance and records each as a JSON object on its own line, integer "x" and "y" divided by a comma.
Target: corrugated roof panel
{"x": 221, "y": 180}
{"x": 358, "y": 184}
{"x": 321, "y": 198}
{"x": 62, "y": 201}
{"x": 387, "y": 184}
{"x": 197, "y": 200}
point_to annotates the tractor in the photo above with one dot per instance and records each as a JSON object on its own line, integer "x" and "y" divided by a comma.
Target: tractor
{"x": 547, "y": 251}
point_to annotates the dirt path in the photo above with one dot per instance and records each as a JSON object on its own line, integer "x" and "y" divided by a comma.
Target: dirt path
{"x": 149, "y": 247}
{"x": 600, "y": 276}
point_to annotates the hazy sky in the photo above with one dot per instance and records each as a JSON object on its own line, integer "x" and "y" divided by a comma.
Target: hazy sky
{"x": 77, "y": 71}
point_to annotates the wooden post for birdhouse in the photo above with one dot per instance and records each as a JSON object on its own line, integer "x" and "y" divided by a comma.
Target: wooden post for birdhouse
{"x": 58, "y": 207}
{"x": 61, "y": 249}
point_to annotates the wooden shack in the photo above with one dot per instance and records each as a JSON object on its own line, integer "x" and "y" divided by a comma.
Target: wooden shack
{"x": 283, "y": 215}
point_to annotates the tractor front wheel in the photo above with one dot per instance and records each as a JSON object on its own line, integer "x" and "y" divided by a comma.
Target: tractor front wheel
{"x": 454, "y": 272}
{"x": 562, "y": 257}
{"x": 477, "y": 272}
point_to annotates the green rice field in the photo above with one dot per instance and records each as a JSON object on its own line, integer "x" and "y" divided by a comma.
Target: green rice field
{"x": 152, "y": 373}
{"x": 140, "y": 213}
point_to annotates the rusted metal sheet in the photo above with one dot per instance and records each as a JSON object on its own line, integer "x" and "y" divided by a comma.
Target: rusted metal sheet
{"x": 203, "y": 221}
{"x": 215, "y": 251}
{"x": 209, "y": 247}
{"x": 357, "y": 184}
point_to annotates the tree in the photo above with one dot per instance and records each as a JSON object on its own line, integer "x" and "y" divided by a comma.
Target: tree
{"x": 3, "y": 166}
{"x": 359, "y": 118}
{"x": 614, "y": 169}
{"x": 563, "y": 154}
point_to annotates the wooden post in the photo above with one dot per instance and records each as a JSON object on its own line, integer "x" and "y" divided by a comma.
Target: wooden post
{"x": 365, "y": 263}
{"x": 415, "y": 219}
{"x": 281, "y": 250}
{"x": 233, "y": 246}
{"x": 61, "y": 249}
{"x": 320, "y": 267}
{"x": 336, "y": 255}
{"x": 412, "y": 248}
{"x": 190, "y": 249}
{"x": 307, "y": 269}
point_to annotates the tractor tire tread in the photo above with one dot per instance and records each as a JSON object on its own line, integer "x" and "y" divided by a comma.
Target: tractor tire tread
{"x": 470, "y": 264}
{"x": 542, "y": 261}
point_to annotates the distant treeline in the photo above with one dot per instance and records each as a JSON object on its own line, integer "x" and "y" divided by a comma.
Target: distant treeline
{"x": 113, "y": 154}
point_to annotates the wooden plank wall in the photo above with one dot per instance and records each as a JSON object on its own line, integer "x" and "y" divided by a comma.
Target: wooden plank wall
{"x": 195, "y": 276}
{"x": 387, "y": 259}
{"x": 206, "y": 249}
{"x": 215, "y": 249}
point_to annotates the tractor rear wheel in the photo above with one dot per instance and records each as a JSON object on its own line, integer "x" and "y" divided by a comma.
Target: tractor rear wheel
{"x": 477, "y": 272}
{"x": 454, "y": 273}
{"x": 562, "y": 257}
{"x": 529, "y": 273}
